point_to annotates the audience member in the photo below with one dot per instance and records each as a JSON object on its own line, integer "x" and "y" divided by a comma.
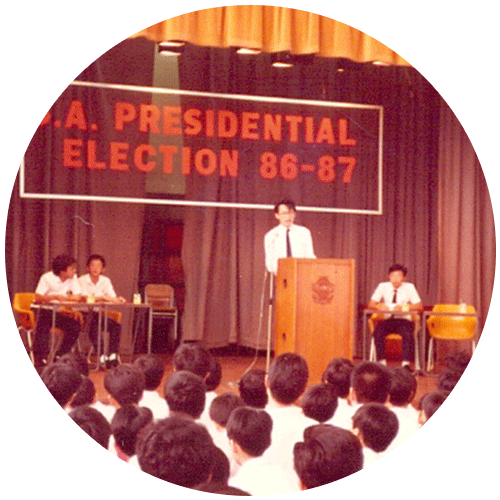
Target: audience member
{"x": 252, "y": 388}
{"x": 376, "y": 426}
{"x": 457, "y": 361}
{"x": 62, "y": 381}
{"x": 447, "y": 380}
{"x": 219, "y": 411}
{"x": 176, "y": 450}
{"x": 326, "y": 454}
{"x": 286, "y": 382}
{"x": 319, "y": 402}
{"x": 402, "y": 391}
{"x": 125, "y": 384}
{"x": 93, "y": 423}
{"x": 338, "y": 375}
{"x": 249, "y": 432}
{"x": 429, "y": 404}
{"x": 153, "y": 369}
{"x": 77, "y": 361}
{"x": 85, "y": 394}
{"x": 126, "y": 424}
{"x": 185, "y": 395}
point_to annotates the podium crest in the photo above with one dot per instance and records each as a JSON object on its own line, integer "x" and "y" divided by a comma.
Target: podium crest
{"x": 323, "y": 291}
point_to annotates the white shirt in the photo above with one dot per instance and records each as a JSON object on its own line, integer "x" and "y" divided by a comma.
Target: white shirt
{"x": 275, "y": 245}
{"x": 259, "y": 477}
{"x": 51, "y": 284}
{"x": 157, "y": 404}
{"x": 406, "y": 294}
{"x": 99, "y": 289}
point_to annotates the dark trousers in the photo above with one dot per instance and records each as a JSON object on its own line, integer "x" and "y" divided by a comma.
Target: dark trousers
{"x": 114, "y": 331}
{"x": 403, "y": 327}
{"x": 68, "y": 325}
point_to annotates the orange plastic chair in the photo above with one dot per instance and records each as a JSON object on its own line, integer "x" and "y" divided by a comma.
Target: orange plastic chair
{"x": 375, "y": 318}
{"x": 450, "y": 327}
{"x": 25, "y": 318}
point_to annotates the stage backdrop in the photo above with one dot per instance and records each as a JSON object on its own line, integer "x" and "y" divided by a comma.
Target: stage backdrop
{"x": 375, "y": 201}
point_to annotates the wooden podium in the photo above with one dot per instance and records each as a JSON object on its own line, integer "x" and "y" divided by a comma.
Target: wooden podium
{"x": 315, "y": 310}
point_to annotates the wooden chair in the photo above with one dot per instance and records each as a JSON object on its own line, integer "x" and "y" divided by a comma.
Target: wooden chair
{"x": 25, "y": 318}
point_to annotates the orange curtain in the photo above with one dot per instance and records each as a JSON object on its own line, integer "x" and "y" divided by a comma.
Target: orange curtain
{"x": 272, "y": 29}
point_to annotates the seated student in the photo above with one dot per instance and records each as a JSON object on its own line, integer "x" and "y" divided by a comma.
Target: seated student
{"x": 319, "y": 402}
{"x": 429, "y": 404}
{"x": 62, "y": 381}
{"x": 457, "y": 362}
{"x": 376, "y": 426}
{"x": 126, "y": 424}
{"x": 176, "y": 450}
{"x": 93, "y": 423}
{"x": 326, "y": 454}
{"x": 338, "y": 375}
{"x": 252, "y": 388}
{"x": 84, "y": 395}
{"x": 153, "y": 369}
{"x": 402, "y": 391}
{"x": 447, "y": 380}
{"x": 219, "y": 412}
{"x": 249, "y": 432}
{"x": 59, "y": 284}
{"x": 125, "y": 384}
{"x": 77, "y": 361}
{"x": 196, "y": 359}
{"x": 286, "y": 382}
{"x": 370, "y": 383}
{"x": 95, "y": 284}
{"x": 185, "y": 395}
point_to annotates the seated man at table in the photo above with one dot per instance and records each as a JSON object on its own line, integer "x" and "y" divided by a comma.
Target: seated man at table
{"x": 58, "y": 285}
{"x": 99, "y": 287}
{"x": 395, "y": 295}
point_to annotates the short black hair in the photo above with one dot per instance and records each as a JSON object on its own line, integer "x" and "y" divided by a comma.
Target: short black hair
{"x": 377, "y": 424}
{"x": 371, "y": 382}
{"x": 126, "y": 424}
{"x": 457, "y": 361}
{"x": 214, "y": 376}
{"x": 252, "y": 388}
{"x": 153, "y": 368}
{"x": 287, "y": 377}
{"x": 287, "y": 202}
{"x": 403, "y": 386}
{"x": 447, "y": 380}
{"x": 85, "y": 393}
{"x": 398, "y": 267}
{"x": 192, "y": 358}
{"x": 77, "y": 361}
{"x": 222, "y": 406}
{"x": 96, "y": 256}
{"x": 251, "y": 429}
{"x": 125, "y": 383}
{"x": 221, "y": 467}
{"x": 61, "y": 263}
{"x": 319, "y": 402}
{"x": 338, "y": 374}
{"x": 431, "y": 401}
{"x": 62, "y": 381}
{"x": 185, "y": 392}
{"x": 93, "y": 423}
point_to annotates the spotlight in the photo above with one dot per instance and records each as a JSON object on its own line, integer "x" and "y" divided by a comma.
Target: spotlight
{"x": 281, "y": 60}
{"x": 171, "y": 48}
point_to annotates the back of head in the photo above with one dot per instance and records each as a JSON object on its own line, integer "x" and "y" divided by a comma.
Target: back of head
{"x": 77, "y": 361}
{"x": 62, "y": 381}
{"x": 222, "y": 406}
{"x": 93, "y": 423}
{"x": 447, "y": 380}
{"x": 85, "y": 393}
{"x": 371, "y": 382}
{"x": 126, "y": 424}
{"x": 251, "y": 429}
{"x": 125, "y": 383}
{"x": 176, "y": 450}
{"x": 221, "y": 467}
{"x": 338, "y": 374}
{"x": 431, "y": 401}
{"x": 287, "y": 377}
{"x": 403, "y": 387}
{"x": 457, "y": 361}
{"x": 319, "y": 402}
{"x": 214, "y": 376}
{"x": 377, "y": 424}
{"x": 327, "y": 455}
{"x": 185, "y": 393}
{"x": 153, "y": 369}
{"x": 252, "y": 388}
{"x": 192, "y": 358}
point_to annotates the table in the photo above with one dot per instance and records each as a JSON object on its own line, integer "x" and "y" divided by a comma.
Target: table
{"x": 419, "y": 344}
{"x": 102, "y": 309}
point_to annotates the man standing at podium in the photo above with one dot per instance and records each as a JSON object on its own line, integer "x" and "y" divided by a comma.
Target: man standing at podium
{"x": 287, "y": 239}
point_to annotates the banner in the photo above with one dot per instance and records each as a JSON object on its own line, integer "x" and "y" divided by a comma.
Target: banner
{"x": 150, "y": 145}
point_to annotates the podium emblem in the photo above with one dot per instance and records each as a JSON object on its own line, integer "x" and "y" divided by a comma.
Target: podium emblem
{"x": 322, "y": 291}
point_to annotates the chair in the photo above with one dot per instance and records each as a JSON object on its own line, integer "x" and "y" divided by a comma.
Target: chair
{"x": 375, "y": 318}
{"x": 161, "y": 298}
{"x": 450, "y": 327}
{"x": 25, "y": 317}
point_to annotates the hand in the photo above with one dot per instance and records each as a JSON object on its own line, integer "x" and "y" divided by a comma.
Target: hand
{"x": 398, "y": 308}
{"x": 382, "y": 307}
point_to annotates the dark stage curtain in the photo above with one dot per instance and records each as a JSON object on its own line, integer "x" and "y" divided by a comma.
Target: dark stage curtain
{"x": 223, "y": 248}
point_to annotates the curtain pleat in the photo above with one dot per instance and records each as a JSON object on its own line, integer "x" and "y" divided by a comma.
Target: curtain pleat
{"x": 272, "y": 29}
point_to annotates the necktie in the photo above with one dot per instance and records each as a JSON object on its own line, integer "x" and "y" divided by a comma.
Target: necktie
{"x": 288, "y": 246}
{"x": 395, "y": 297}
